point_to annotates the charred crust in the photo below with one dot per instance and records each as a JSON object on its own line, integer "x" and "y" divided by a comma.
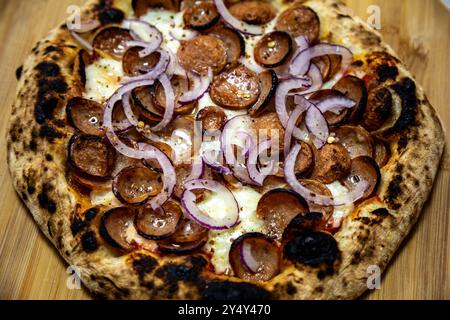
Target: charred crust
{"x": 77, "y": 225}
{"x": 57, "y": 85}
{"x": 381, "y": 212}
{"x": 291, "y": 289}
{"x": 386, "y": 72}
{"x": 91, "y": 213}
{"x": 394, "y": 190}
{"x": 45, "y": 106}
{"x": 143, "y": 265}
{"x": 19, "y": 72}
{"x": 48, "y": 157}
{"x": 406, "y": 89}
{"x": 227, "y": 290}
{"x": 111, "y": 15}
{"x": 51, "y": 49}
{"x": 89, "y": 241}
{"x": 48, "y": 69}
{"x": 49, "y": 229}
{"x": 45, "y": 202}
{"x": 50, "y": 133}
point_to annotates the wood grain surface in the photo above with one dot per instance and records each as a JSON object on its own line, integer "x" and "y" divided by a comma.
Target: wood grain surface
{"x": 30, "y": 267}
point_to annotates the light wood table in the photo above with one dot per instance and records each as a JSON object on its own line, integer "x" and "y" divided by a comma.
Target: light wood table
{"x": 419, "y": 30}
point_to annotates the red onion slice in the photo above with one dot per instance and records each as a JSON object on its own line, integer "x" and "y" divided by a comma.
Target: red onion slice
{"x": 301, "y": 63}
{"x": 309, "y": 195}
{"x": 248, "y": 259}
{"x": 259, "y": 175}
{"x": 236, "y": 23}
{"x": 230, "y": 213}
{"x": 335, "y": 104}
{"x": 317, "y": 125}
{"x": 292, "y": 123}
{"x": 77, "y": 27}
{"x": 150, "y": 32}
{"x": 144, "y": 151}
{"x": 186, "y": 36}
{"x": 149, "y": 47}
{"x": 214, "y": 158}
{"x": 201, "y": 85}
{"x": 153, "y": 74}
{"x": 170, "y": 103}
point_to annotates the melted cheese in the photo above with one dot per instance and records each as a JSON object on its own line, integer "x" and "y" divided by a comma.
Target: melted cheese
{"x": 340, "y": 212}
{"x": 103, "y": 79}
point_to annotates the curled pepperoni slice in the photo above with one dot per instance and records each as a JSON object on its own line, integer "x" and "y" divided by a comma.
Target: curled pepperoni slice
{"x": 355, "y": 139}
{"x": 201, "y": 53}
{"x": 212, "y": 118}
{"x": 86, "y": 116}
{"x": 268, "y": 82}
{"x": 254, "y": 256}
{"x": 180, "y": 85}
{"x": 332, "y": 118}
{"x": 273, "y": 49}
{"x": 234, "y": 43}
{"x": 333, "y": 163}
{"x": 378, "y": 110}
{"x": 112, "y": 41}
{"x": 92, "y": 155}
{"x": 355, "y": 89}
{"x": 158, "y": 224}
{"x": 117, "y": 227}
{"x": 236, "y": 89}
{"x": 188, "y": 237}
{"x": 320, "y": 189}
{"x": 277, "y": 208}
{"x": 201, "y": 16}
{"x": 253, "y": 12}
{"x": 133, "y": 65}
{"x": 141, "y": 7}
{"x": 364, "y": 168}
{"x": 134, "y": 185}
{"x": 300, "y": 21}
{"x": 382, "y": 152}
{"x": 144, "y": 102}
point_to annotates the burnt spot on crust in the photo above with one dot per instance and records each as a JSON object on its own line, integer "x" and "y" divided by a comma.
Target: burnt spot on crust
{"x": 378, "y": 216}
{"x": 386, "y": 72}
{"x": 77, "y": 225}
{"x": 51, "y": 49}
{"x": 367, "y": 37}
{"x": 402, "y": 143}
{"x": 406, "y": 89}
{"x": 45, "y": 106}
{"x": 143, "y": 265}
{"x": 381, "y": 212}
{"x": 49, "y": 229}
{"x": 50, "y": 133}
{"x": 48, "y": 69}
{"x": 91, "y": 213}
{"x": 89, "y": 241}
{"x": 45, "y": 202}
{"x": 19, "y": 72}
{"x": 394, "y": 191}
{"x": 291, "y": 289}
{"x": 227, "y": 290}
{"x": 53, "y": 85}
{"x": 48, "y": 157}
{"x": 344, "y": 16}
{"x": 313, "y": 249}
{"x": 111, "y": 15}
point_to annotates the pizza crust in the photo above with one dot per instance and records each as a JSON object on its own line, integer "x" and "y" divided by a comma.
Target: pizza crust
{"x": 37, "y": 156}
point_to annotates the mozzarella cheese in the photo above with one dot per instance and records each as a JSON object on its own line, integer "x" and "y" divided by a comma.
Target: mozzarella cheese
{"x": 103, "y": 79}
{"x": 340, "y": 212}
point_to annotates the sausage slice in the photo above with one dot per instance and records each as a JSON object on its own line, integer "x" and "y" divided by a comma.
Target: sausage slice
{"x": 268, "y": 81}
{"x": 201, "y": 16}
{"x": 273, "y": 49}
{"x": 253, "y": 12}
{"x": 355, "y": 89}
{"x": 212, "y": 118}
{"x": 116, "y": 226}
{"x": 112, "y": 40}
{"x": 258, "y": 249}
{"x": 144, "y": 101}
{"x": 92, "y": 155}
{"x": 133, "y": 65}
{"x": 300, "y": 21}
{"x": 364, "y": 168}
{"x": 305, "y": 160}
{"x": 201, "y": 53}
{"x": 180, "y": 85}
{"x": 333, "y": 163}
{"x": 158, "y": 224}
{"x": 332, "y": 118}
{"x": 382, "y": 152}
{"x": 277, "y": 208}
{"x": 378, "y": 110}
{"x": 355, "y": 139}
{"x": 318, "y": 188}
{"x": 86, "y": 116}
{"x": 236, "y": 89}
{"x": 234, "y": 43}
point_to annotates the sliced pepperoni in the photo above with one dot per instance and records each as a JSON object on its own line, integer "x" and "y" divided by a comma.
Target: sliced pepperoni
{"x": 320, "y": 189}
{"x": 269, "y": 126}
{"x": 87, "y": 183}
{"x": 212, "y": 118}
{"x": 234, "y": 43}
{"x": 305, "y": 160}
{"x": 188, "y": 237}
{"x": 333, "y": 163}
{"x": 268, "y": 81}
{"x": 304, "y": 222}
{"x": 112, "y": 41}
{"x": 86, "y": 116}
{"x": 378, "y": 110}
{"x": 144, "y": 102}
{"x": 332, "y": 118}
{"x": 355, "y": 139}
{"x": 136, "y": 184}
{"x": 300, "y": 21}
{"x": 201, "y": 53}
{"x": 141, "y": 7}
{"x": 366, "y": 169}
{"x": 259, "y": 250}
{"x": 119, "y": 118}
{"x": 115, "y": 228}
{"x": 134, "y": 65}
{"x": 201, "y": 16}
{"x": 382, "y": 152}
{"x": 92, "y": 155}
{"x": 180, "y": 85}
{"x": 183, "y": 171}
{"x": 253, "y": 12}
{"x": 159, "y": 224}
{"x": 236, "y": 89}
{"x": 277, "y": 208}
{"x": 273, "y": 49}
{"x": 355, "y": 89}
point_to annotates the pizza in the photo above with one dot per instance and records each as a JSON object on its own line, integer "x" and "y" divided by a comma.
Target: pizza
{"x": 221, "y": 149}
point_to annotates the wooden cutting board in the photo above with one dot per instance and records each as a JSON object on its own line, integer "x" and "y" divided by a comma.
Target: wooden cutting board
{"x": 30, "y": 267}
